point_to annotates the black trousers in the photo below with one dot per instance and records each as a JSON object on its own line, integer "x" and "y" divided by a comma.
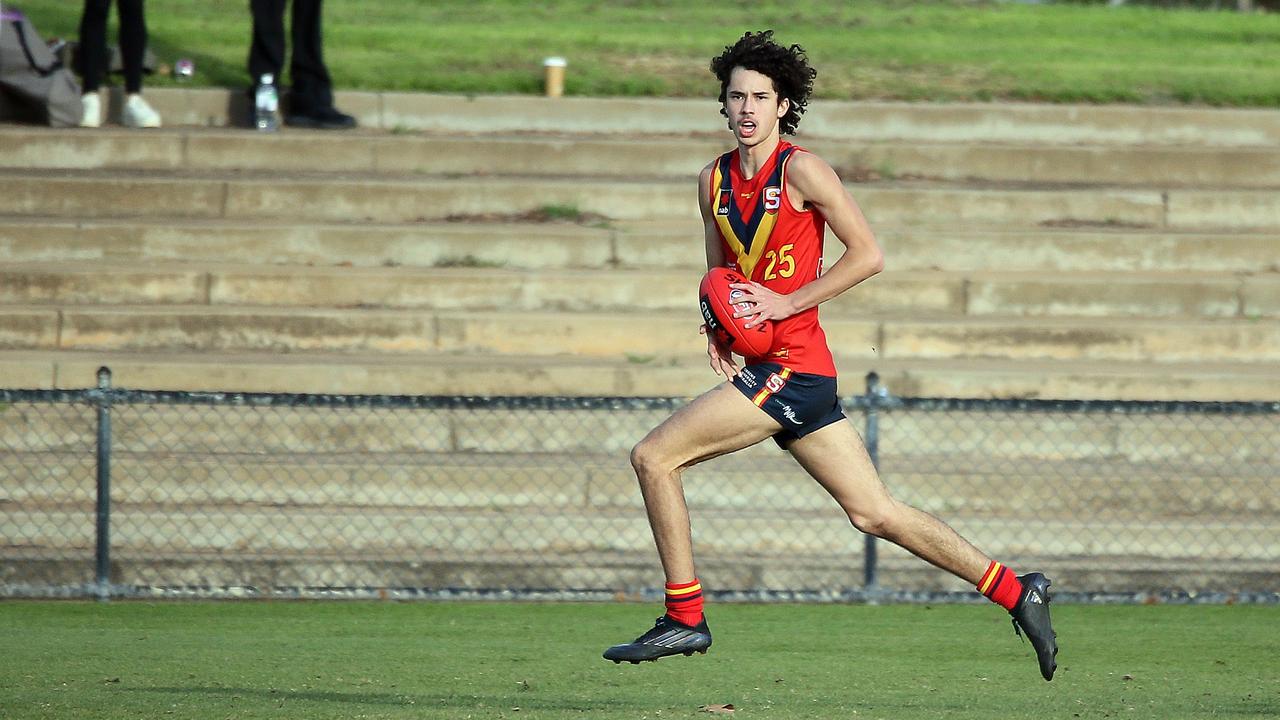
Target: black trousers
{"x": 93, "y": 42}
{"x": 312, "y": 90}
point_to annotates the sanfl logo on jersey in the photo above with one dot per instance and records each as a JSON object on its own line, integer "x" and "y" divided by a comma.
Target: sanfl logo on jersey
{"x": 772, "y": 199}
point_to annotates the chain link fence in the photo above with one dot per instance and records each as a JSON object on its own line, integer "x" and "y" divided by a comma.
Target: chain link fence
{"x": 119, "y": 493}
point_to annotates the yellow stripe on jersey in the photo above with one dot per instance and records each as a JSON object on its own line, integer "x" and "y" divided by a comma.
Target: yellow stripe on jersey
{"x": 746, "y": 259}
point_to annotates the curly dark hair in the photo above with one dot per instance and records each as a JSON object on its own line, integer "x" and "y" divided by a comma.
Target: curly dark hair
{"x": 787, "y": 67}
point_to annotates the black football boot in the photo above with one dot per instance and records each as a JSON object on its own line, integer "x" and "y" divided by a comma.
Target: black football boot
{"x": 667, "y": 637}
{"x": 1031, "y": 616}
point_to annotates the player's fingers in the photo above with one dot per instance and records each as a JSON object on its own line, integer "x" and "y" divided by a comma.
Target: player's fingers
{"x": 752, "y": 287}
{"x": 727, "y": 368}
{"x": 713, "y": 359}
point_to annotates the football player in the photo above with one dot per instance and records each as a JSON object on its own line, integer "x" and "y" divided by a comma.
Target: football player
{"x": 765, "y": 206}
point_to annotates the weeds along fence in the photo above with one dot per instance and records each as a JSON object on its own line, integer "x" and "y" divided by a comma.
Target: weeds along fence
{"x": 108, "y": 492}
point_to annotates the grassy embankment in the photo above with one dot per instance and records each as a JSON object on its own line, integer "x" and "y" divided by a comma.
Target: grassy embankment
{"x": 949, "y": 51}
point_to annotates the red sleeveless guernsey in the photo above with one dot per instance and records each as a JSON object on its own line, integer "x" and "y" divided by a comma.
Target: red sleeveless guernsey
{"x": 772, "y": 243}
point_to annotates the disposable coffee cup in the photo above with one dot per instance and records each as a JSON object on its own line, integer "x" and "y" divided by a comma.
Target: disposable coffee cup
{"x": 553, "y": 71}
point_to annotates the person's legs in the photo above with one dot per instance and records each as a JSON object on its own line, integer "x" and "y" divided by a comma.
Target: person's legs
{"x": 266, "y": 46}
{"x": 312, "y": 89}
{"x": 93, "y": 43}
{"x": 720, "y": 421}
{"x": 133, "y": 45}
{"x": 836, "y": 457}
{"x": 133, "y": 42}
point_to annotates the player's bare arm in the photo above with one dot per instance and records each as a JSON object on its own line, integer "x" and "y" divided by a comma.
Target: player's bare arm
{"x": 710, "y": 235}
{"x": 813, "y": 183}
{"x": 720, "y": 358}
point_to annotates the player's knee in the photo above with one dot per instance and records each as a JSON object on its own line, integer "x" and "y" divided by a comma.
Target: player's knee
{"x": 645, "y": 460}
{"x": 878, "y": 522}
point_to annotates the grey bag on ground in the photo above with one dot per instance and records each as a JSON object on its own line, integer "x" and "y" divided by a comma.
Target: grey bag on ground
{"x": 34, "y": 86}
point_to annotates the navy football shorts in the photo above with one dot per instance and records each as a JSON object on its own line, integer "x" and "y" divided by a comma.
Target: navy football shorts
{"x": 800, "y": 402}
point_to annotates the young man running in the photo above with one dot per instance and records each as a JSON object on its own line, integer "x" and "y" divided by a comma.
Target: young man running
{"x": 764, "y": 207}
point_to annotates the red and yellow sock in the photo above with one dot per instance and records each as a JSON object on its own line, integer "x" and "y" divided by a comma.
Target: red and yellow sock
{"x": 684, "y": 602}
{"x": 1000, "y": 586}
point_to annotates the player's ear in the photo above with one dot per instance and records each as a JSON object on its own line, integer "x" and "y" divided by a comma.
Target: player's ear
{"x": 784, "y": 107}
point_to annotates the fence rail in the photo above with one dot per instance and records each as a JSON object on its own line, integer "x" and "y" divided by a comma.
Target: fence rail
{"x": 110, "y": 492}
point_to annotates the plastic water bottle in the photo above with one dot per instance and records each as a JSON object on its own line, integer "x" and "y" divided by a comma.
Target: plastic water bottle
{"x": 266, "y": 100}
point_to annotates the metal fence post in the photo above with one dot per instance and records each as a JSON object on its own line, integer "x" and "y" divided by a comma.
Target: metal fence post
{"x": 872, "y": 440}
{"x": 102, "y": 555}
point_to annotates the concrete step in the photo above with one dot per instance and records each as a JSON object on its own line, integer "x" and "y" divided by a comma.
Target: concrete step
{"x": 601, "y": 576}
{"x": 150, "y": 531}
{"x": 1088, "y": 484}
{"x": 1049, "y": 246}
{"x": 1036, "y": 124}
{"x": 652, "y": 335}
{"x": 586, "y": 155}
{"x": 917, "y": 448}
{"x": 641, "y": 244}
{"x": 268, "y": 242}
{"x": 1150, "y": 295}
{"x": 636, "y": 376}
{"x": 367, "y": 199}
{"x": 1081, "y": 249}
{"x": 995, "y": 294}
{"x": 1132, "y": 340}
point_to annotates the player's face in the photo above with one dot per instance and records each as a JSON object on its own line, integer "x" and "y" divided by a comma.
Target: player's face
{"x": 753, "y": 107}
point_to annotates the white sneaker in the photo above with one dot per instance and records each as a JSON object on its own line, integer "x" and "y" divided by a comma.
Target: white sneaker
{"x": 139, "y": 114}
{"x": 91, "y": 117}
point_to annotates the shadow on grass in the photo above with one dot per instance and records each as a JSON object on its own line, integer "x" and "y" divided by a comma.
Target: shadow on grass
{"x": 354, "y": 698}
{"x": 462, "y": 701}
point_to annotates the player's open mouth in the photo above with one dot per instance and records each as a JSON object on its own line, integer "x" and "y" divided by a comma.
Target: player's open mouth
{"x": 746, "y": 128}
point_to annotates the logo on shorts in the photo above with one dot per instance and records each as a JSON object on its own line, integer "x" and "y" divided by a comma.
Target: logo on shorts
{"x": 748, "y": 378}
{"x": 790, "y": 414}
{"x": 775, "y": 383}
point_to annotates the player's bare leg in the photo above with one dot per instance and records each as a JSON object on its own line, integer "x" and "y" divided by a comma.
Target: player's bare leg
{"x": 836, "y": 457}
{"x": 720, "y": 421}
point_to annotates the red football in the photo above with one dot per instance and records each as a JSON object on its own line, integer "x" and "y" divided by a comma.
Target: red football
{"x": 719, "y": 302}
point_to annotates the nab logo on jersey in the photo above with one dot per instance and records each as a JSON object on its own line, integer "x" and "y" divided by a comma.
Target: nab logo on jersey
{"x": 722, "y": 207}
{"x": 772, "y": 199}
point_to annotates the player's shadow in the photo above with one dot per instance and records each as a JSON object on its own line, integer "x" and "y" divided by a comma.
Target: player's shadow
{"x": 354, "y": 698}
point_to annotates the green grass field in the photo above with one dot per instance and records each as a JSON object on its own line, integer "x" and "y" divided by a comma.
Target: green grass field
{"x": 957, "y": 50}
{"x": 468, "y": 660}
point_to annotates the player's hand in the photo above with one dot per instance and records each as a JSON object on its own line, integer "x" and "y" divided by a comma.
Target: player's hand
{"x": 761, "y": 304}
{"x": 721, "y": 358}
